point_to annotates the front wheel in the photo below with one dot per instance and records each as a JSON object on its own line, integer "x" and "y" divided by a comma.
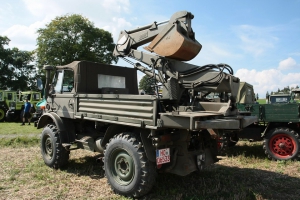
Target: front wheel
{"x": 128, "y": 170}
{"x": 53, "y": 153}
{"x": 2, "y": 114}
{"x": 282, "y": 144}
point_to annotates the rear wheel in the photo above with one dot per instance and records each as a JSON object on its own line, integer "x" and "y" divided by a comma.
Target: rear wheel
{"x": 53, "y": 153}
{"x": 282, "y": 144}
{"x": 128, "y": 170}
{"x": 2, "y": 114}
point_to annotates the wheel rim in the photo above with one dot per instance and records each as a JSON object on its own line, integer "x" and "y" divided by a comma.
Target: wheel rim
{"x": 1, "y": 114}
{"x": 122, "y": 167}
{"x": 282, "y": 145}
{"x": 48, "y": 148}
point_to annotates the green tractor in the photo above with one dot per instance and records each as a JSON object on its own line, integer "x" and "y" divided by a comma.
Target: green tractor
{"x": 16, "y": 108}
{"x": 6, "y": 97}
{"x": 278, "y": 125}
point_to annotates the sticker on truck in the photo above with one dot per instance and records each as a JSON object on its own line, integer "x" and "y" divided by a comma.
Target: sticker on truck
{"x": 162, "y": 156}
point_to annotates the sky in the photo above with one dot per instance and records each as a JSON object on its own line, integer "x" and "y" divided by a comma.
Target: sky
{"x": 260, "y": 40}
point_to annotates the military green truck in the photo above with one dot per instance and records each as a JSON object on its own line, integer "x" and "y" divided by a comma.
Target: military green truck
{"x": 278, "y": 125}
{"x": 97, "y": 107}
{"x": 6, "y": 97}
{"x": 245, "y": 95}
{"x": 16, "y": 107}
{"x": 278, "y": 98}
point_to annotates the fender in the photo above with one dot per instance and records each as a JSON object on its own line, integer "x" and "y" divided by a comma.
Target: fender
{"x": 110, "y": 132}
{"x": 43, "y": 121}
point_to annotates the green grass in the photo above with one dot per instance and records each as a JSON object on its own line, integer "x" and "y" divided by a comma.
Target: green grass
{"x": 7, "y": 128}
{"x": 244, "y": 173}
{"x": 261, "y": 101}
{"x": 19, "y": 141}
{"x": 14, "y": 135}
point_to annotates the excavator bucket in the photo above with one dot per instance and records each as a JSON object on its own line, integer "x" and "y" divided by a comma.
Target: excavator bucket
{"x": 175, "y": 45}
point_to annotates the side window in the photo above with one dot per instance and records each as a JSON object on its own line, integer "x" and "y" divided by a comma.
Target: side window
{"x": 58, "y": 81}
{"x": 36, "y": 97}
{"x": 63, "y": 81}
{"x": 9, "y": 96}
{"x": 111, "y": 81}
{"x": 68, "y": 83}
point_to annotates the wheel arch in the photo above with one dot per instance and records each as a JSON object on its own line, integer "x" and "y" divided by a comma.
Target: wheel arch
{"x": 44, "y": 119}
{"x": 111, "y": 131}
{"x": 272, "y": 125}
{"x": 142, "y": 133}
{"x": 52, "y": 117}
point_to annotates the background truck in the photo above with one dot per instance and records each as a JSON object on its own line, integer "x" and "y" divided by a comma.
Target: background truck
{"x": 278, "y": 98}
{"x": 97, "y": 107}
{"x": 278, "y": 125}
{"x": 6, "y": 97}
{"x": 16, "y": 107}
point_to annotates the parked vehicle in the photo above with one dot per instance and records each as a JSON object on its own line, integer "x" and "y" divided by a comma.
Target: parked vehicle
{"x": 16, "y": 107}
{"x": 278, "y": 125}
{"x": 6, "y": 97}
{"x": 138, "y": 135}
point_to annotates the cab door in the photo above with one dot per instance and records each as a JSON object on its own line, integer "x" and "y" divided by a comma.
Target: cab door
{"x": 62, "y": 98}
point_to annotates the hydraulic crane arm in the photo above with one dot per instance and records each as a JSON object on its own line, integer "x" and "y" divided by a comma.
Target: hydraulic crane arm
{"x": 173, "y": 42}
{"x": 172, "y": 39}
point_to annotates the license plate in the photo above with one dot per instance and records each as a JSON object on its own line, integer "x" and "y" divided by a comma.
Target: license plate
{"x": 162, "y": 156}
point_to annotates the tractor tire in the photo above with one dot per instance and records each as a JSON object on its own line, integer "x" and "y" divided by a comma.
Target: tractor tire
{"x": 127, "y": 169}
{"x": 9, "y": 118}
{"x": 2, "y": 114}
{"x": 282, "y": 144}
{"x": 53, "y": 153}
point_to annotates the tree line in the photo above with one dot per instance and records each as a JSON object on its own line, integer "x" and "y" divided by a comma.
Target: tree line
{"x": 285, "y": 90}
{"x": 65, "y": 39}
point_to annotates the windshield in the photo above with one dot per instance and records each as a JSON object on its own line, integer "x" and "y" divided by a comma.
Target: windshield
{"x": 280, "y": 99}
{"x": 24, "y": 96}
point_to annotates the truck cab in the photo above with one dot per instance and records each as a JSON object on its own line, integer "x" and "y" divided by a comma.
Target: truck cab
{"x": 278, "y": 98}
{"x": 15, "y": 107}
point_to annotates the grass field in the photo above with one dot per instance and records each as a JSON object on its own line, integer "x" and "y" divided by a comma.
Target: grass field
{"x": 14, "y": 135}
{"x": 244, "y": 173}
{"x": 261, "y": 101}
{"x": 15, "y": 128}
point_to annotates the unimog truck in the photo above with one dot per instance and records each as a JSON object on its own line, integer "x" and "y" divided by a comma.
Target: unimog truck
{"x": 278, "y": 125}
{"x": 6, "y": 97}
{"x": 16, "y": 107}
{"x": 97, "y": 107}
